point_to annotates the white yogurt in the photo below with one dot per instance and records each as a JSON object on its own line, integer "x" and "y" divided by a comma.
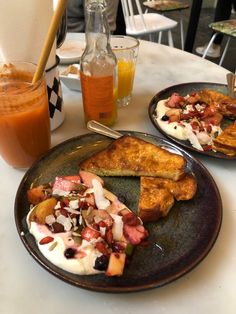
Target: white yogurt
{"x": 183, "y": 130}
{"x": 174, "y": 128}
{"x": 54, "y": 251}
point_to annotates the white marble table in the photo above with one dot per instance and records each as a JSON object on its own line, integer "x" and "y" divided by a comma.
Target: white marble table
{"x": 25, "y": 287}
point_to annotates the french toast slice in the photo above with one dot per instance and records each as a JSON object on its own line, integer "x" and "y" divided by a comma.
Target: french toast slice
{"x": 154, "y": 202}
{"x": 226, "y": 141}
{"x": 224, "y": 104}
{"x": 157, "y": 195}
{"x": 182, "y": 190}
{"x": 132, "y": 156}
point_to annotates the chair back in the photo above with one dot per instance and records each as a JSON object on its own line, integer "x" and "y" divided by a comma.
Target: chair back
{"x": 129, "y": 7}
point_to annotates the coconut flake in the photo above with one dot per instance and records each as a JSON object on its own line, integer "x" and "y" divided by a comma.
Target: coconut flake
{"x": 102, "y": 231}
{"x": 58, "y": 205}
{"x": 50, "y": 219}
{"x": 74, "y": 204}
{"x": 117, "y": 228}
{"x": 100, "y": 200}
{"x": 65, "y": 221}
{"x": 60, "y": 192}
{"x": 204, "y": 138}
{"x": 193, "y": 138}
{"x": 71, "y": 210}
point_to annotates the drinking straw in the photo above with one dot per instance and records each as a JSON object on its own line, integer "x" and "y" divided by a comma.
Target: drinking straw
{"x": 49, "y": 40}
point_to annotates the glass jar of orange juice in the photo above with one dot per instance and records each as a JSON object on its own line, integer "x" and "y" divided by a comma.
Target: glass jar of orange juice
{"x": 24, "y": 115}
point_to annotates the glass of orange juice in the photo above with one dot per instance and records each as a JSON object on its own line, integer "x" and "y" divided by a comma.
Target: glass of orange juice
{"x": 24, "y": 115}
{"x": 126, "y": 51}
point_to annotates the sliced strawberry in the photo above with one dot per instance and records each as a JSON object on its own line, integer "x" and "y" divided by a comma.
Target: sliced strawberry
{"x": 88, "y": 234}
{"x": 87, "y": 178}
{"x": 214, "y": 120}
{"x": 207, "y": 148}
{"x": 75, "y": 179}
{"x": 209, "y": 111}
{"x": 193, "y": 98}
{"x": 89, "y": 198}
{"x": 175, "y": 101}
{"x": 101, "y": 247}
{"x": 135, "y": 234}
{"x": 109, "y": 236}
{"x": 131, "y": 219}
{"x": 63, "y": 184}
{"x": 195, "y": 125}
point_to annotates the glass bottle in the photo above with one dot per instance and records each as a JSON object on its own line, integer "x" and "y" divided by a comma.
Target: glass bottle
{"x": 98, "y": 67}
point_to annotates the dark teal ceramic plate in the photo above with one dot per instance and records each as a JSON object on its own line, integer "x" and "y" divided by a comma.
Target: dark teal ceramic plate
{"x": 184, "y": 89}
{"x": 176, "y": 244}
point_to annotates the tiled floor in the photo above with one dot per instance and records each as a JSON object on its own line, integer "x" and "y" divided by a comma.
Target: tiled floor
{"x": 203, "y": 35}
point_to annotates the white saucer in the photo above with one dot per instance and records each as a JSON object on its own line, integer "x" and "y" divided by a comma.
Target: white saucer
{"x": 71, "y": 51}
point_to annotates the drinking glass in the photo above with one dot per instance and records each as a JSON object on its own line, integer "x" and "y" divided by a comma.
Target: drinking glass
{"x": 126, "y": 51}
{"x": 24, "y": 115}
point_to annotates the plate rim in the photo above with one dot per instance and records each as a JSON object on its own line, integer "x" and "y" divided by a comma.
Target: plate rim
{"x": 59, "y": 273}
{"x": 183, "y": 144}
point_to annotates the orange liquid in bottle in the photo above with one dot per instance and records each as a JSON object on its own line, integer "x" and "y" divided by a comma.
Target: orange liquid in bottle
{"x": 24, "y": 122}
{"x": 99, "y": 98}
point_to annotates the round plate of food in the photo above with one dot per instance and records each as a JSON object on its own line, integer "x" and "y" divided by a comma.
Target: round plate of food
{"x": 197, "y": 116}
{"x": 73, "y": 237}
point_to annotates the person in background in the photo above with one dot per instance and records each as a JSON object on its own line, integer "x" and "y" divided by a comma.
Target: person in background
{"x": 76, "y": 16}
{"x": 222, "y": 12}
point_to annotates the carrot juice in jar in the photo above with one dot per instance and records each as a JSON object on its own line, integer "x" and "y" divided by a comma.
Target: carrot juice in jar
{"x": 24, "y": 115}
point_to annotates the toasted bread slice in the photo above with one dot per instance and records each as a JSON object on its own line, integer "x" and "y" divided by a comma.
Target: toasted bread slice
{"x": 157, "y": 195}
{"x": 154, "y": 202}
{"x": 131, "y": 156}
{"x": 182, "y": 190}
{"x": 225, "y": 105}
{"x": 226, "y": 141}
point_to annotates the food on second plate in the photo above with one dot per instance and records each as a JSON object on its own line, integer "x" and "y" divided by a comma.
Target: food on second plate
{"x": 81, "y": 227}
{"x": 225, "y": 105}
{"x": 157, "y": 195}
{"x": 196, "y": 117}
{"x": 226, "y": 141}
{"x": 132, "y": 156}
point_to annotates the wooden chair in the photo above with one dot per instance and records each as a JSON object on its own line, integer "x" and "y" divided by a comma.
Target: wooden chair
{"x": 139, "y": 23}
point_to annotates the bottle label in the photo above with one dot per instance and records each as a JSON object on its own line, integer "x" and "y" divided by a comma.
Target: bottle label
{"x": 98, "y": 97}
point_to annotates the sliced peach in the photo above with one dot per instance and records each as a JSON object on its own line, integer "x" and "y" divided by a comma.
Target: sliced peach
{"x": 42, "y": 210}
{"x": 37, "y": 195}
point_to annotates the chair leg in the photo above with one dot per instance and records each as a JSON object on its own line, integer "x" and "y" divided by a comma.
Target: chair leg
{"x": 181, "y": 30}
{"x": 159, "y": 37}
{"x": 209, "y": 45}
{"x": 170, "y": 39}
{"x": 224, "y": 52}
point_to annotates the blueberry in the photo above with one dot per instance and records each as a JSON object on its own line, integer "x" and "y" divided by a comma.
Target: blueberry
{"x": 165, "y": 118}
{"x": 69, "y": 253}
{"x": 101, "y": 262}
